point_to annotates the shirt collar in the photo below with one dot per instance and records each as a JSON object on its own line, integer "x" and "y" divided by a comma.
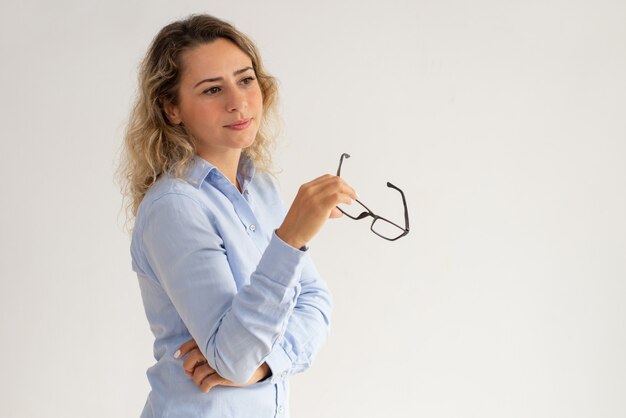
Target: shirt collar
{"x": 199, "y": 169}
{"x": 245, "y": 171}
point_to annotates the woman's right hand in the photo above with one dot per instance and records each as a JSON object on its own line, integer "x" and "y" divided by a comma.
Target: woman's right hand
{"x": 314, "y": 204}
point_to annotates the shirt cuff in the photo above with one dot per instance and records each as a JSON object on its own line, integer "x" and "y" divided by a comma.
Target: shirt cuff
{"x": 303, "y": 248}
{"x": 279, "y": 363}
{"x": 281, "y": 262}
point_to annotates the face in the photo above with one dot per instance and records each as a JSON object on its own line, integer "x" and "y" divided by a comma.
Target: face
{"x": 219, "y": 99}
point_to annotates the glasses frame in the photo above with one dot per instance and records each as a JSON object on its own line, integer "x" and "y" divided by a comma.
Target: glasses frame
{"x": 375, "y": 217}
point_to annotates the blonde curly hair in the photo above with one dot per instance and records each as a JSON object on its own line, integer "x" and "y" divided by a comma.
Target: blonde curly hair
{"x": 152, "y": 144}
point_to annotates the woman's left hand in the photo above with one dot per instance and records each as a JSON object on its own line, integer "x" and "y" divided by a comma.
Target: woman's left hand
{"x": 204, "y": 375}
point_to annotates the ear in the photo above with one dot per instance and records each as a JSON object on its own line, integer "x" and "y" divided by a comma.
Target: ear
{"x": 172, "y": 112}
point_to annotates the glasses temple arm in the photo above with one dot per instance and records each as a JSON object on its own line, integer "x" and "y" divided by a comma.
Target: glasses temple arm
{"x": 344, "y": 155}
{"x": 406, "y": 210}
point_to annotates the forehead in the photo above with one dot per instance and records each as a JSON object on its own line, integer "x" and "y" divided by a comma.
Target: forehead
{"x": 219, "y": 58}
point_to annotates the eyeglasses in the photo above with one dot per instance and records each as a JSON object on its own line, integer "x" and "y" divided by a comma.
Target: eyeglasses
{"x": 382, "y": 227}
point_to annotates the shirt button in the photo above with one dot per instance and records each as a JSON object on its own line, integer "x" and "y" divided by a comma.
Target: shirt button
{"x": 283, "y": 375}
{"x": 252, "y": 228}
{"x": 281, "y": 409}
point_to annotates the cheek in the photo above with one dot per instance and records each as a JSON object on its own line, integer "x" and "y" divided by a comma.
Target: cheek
{"x": 257, "y": 99}
{"x": 202, "y": 113}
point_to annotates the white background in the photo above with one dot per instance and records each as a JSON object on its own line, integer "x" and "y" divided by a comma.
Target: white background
{"x": 503, "y": 121}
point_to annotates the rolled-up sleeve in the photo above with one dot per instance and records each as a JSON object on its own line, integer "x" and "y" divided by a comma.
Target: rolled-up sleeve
{"x": 236, "y": 330}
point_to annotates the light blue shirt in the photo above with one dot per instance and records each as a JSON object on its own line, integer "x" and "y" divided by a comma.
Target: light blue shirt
{"x": 210, "y": 266}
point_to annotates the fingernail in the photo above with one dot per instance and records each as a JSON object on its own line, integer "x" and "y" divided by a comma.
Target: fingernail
{"x": 177, "y": 354}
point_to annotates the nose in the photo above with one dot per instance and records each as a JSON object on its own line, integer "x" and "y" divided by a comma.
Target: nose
{"x": 236, "y": 100}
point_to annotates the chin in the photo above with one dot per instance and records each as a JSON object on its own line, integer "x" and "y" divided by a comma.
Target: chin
{"x": 247, "y": 142}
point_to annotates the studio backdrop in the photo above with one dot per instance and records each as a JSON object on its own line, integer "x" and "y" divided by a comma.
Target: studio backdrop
{"x": 502, "y": 122}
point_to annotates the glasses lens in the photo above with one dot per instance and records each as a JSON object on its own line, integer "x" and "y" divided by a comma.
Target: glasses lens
{"x": 386, "y": 229}
{"x": 353, "y": 210}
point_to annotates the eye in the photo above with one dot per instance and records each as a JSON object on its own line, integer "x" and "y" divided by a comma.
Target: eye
{"x": 247, "y": 80}
{"x": 211, "y": 91}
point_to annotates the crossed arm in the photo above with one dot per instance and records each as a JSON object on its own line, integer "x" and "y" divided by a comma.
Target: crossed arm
{"x": 203, "y": 375}
{"x": 305, "y": 313}
{"x": 306, "y": 331}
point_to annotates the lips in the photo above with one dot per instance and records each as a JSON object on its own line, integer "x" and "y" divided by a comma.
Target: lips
{"x": 240, "y": 124}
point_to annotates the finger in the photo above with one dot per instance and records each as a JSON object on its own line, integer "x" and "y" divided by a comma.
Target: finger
{"x": 345, "y": 199}
{"x": 347, "y": 189}
{"x": 213, "y": 380}
{"x": 194, "y": 359}
{"x": 321, "y": 179}
{"x": 317, "y": 186}
{"x": 185, "y": 348}
{"x": 201, "y": 373}
{"x": 330, "y": 192}
{"x": 336, "y": 199}
{"x": 335, "y": 213}
{"x": 316, "y": 182}
{"x": 335, "y": 184}
{"x": 327, "y": 180}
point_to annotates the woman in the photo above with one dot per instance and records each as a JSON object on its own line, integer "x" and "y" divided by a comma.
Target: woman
{"x": 224, "y": 274}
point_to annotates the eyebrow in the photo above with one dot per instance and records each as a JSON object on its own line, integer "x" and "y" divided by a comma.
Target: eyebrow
{"x": 210, "y": 80}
